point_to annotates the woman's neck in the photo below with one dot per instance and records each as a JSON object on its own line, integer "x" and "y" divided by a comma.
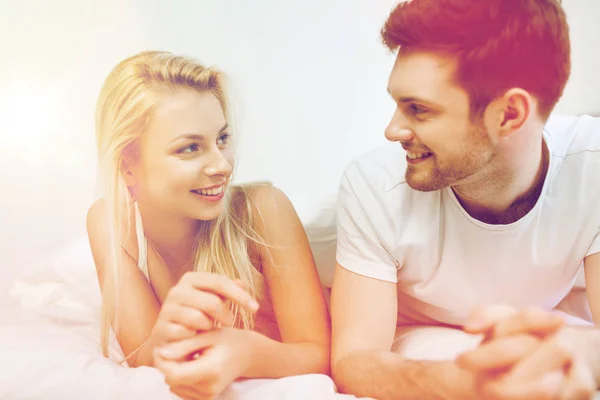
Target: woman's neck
{"x": 173, "y": 238}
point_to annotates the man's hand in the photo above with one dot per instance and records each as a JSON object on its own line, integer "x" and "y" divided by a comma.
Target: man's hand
{"x": 528, "y": 354}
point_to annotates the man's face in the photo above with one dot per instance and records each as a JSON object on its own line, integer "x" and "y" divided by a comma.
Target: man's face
{"x": 432, "y": 122}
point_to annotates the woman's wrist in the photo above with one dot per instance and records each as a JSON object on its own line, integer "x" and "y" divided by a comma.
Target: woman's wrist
{"x": 250, "y": 343}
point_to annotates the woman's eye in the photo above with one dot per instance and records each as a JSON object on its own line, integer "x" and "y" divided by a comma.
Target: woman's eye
{"x": 189, "y": 149}
{"x": 223, "y": 139}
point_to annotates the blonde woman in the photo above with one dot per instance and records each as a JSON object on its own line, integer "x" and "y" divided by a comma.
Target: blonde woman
{"x": 206, "y": 280}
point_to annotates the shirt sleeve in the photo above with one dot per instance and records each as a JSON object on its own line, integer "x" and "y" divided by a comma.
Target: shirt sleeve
{"x": 595, "y": 247}
{"x": 359, "y": 248}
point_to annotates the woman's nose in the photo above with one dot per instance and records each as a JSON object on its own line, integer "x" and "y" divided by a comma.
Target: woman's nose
{"x": 219, "y": 165}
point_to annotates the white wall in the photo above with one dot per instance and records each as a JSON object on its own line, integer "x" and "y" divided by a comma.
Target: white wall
{"x": 582, "y": 94}
{"x": 311, "y": 77}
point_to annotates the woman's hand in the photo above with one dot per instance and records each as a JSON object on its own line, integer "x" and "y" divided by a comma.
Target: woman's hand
{"x": 216, "y": 359}
{"x": 195, "y": 304}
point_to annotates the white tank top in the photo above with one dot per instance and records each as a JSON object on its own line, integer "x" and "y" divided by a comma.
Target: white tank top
{"x": 142, "y": 243}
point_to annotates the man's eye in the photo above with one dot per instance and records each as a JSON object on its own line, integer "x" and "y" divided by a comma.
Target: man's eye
{"x": 415, "y": 109}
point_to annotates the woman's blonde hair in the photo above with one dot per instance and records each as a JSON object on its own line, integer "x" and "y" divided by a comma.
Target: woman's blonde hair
{"x": 125, "y": 105}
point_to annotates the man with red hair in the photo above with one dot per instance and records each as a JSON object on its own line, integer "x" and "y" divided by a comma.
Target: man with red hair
{"x": 482, "y": 197}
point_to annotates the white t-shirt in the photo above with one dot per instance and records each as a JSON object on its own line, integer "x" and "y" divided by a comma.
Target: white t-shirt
{"x": 445, "y": 262}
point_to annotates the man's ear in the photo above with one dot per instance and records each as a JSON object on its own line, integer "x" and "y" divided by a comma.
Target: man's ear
{"x": 514, "y": 108}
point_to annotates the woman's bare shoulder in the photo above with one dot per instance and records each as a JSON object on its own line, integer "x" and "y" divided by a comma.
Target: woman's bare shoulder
{"x": 98, "y": 223}
{"x": 261, "y": 197}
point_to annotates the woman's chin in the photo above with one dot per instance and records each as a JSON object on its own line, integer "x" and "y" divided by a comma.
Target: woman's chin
{"x": 208, "y": 213}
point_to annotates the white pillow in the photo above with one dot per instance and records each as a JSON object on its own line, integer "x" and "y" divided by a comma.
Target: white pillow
{"x": 50, "y": 345}
{"x": 319, "y": 217}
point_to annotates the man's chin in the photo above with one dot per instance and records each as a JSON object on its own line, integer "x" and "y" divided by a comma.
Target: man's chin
{"x": 424, "y": 184}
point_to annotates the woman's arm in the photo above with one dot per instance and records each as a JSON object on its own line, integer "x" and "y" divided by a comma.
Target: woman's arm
{"x": 193, "y": 304}
{"x": 296, "y": 292}
{"x": 138, "y": 307}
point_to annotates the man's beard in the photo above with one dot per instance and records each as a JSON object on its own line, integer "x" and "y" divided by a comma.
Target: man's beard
{"x": 480, "y": 152}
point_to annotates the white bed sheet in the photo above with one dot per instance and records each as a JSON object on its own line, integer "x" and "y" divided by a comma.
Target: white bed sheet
{"x": 49, "y": 344}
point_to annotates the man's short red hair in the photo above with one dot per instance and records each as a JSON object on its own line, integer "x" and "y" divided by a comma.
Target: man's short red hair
{"x": 498, "y": 44}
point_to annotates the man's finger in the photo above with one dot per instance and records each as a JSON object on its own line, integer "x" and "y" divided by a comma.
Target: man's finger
{"x": 545, "y": 387}
{"x": 579, "y": 385}
{"x": 483, "y": 318}
{"x": 498, "y": 354}
{"x": 535, "y": 321}
{"x": 551, "y": 355}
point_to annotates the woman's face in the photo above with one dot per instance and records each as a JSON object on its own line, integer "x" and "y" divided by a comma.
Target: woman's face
{"x": 184, "y": 159}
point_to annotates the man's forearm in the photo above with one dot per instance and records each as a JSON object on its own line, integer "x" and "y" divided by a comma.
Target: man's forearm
{"x": 385, "y": 375}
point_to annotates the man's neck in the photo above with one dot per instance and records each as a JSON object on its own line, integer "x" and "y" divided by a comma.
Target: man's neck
{"x": 507, "y": 190}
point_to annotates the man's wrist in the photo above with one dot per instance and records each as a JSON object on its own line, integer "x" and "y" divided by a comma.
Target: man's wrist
{"x": 459, "y": 382}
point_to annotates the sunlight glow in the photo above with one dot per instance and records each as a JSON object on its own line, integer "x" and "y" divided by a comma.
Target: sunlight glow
{"x": 25, "y": 118}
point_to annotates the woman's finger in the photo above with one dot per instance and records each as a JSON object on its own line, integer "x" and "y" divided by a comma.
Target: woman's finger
{"x": 192, "y": 318}
{"x": 183, "y": 348}
{"x": 171, "y": 331}
{"x": 222, "y": 286}
{"x": 201, "y": 369}
{"x": 208, "y": 303}
{"x": 189, "y": 392}
{"x": 184, "y": 393}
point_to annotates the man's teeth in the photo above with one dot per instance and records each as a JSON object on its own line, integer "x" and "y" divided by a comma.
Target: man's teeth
{"x": 210, "y": 192}
{"x": 414, "y": 156}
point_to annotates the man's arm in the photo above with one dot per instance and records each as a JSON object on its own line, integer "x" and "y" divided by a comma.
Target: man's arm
{"x": 364, "y": 314}
{"x": 592, "y": 283}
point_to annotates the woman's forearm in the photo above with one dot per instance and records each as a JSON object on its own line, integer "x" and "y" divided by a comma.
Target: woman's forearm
{"x": 269, "y": 358}
{"x": 142, "y": 356}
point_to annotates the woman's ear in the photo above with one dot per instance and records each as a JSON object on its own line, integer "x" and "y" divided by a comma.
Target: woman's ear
{"x": 128, "y": 174}
{"x": 128, "y": 166}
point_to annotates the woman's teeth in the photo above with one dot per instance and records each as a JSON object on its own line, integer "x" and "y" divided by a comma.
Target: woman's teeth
{"x": 414, "y": 156}
{"x": 209, "y": 192}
